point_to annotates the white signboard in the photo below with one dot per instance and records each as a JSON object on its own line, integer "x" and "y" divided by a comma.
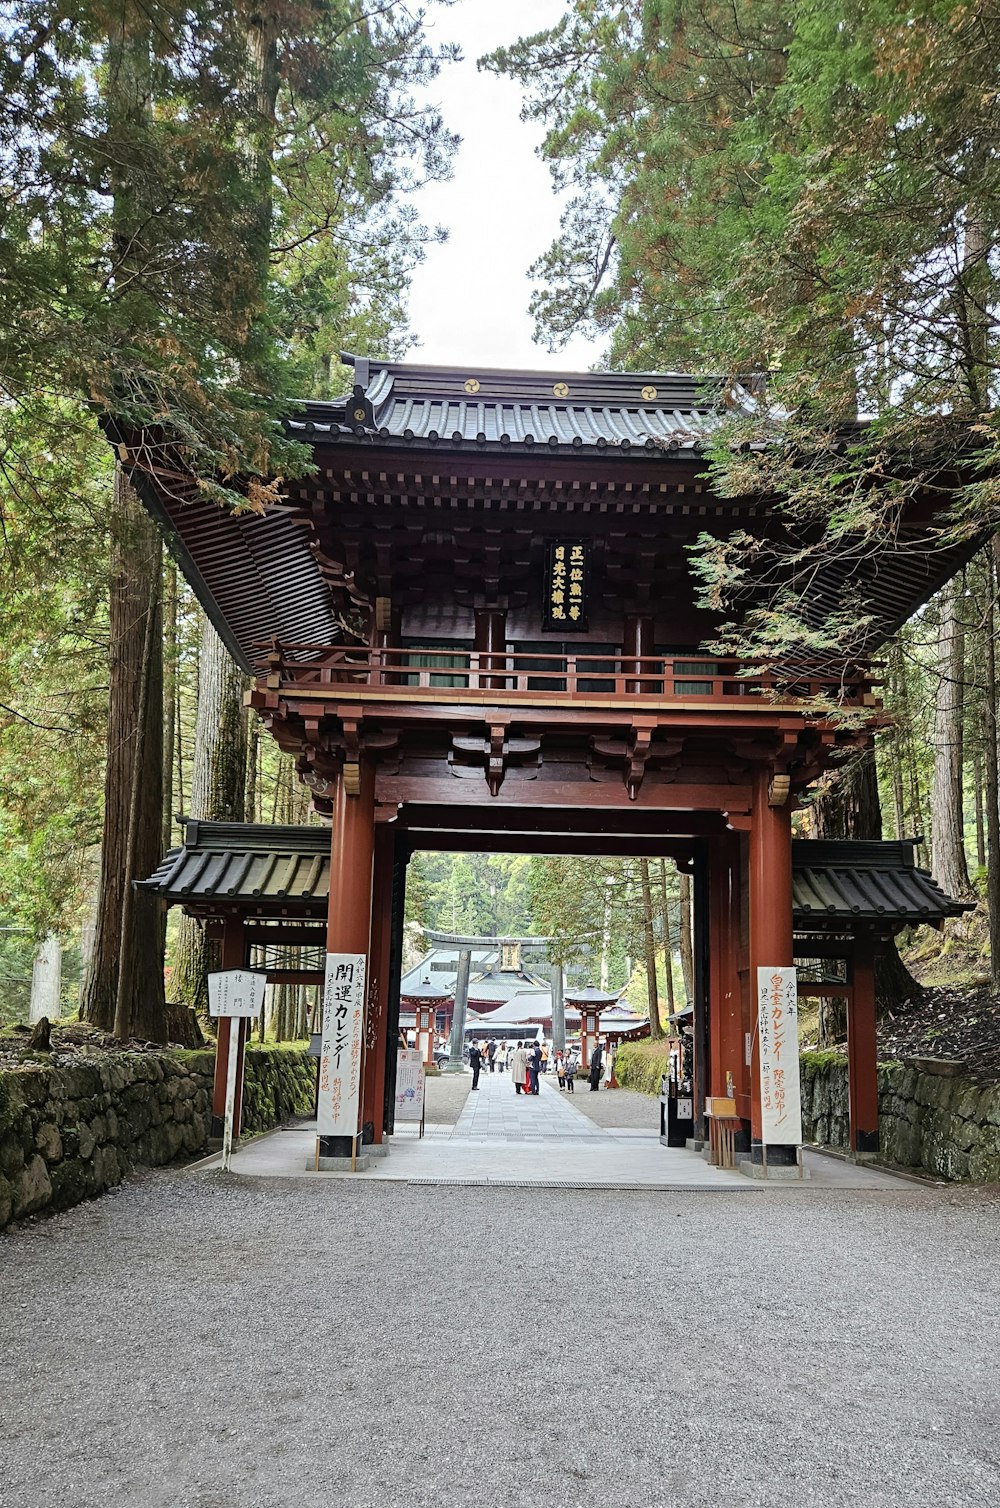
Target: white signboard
{"x": 778, "y": 1042}
{"x": 236, "y": 992}
{"x": 340, "y": 1050}
{"x": 410, "y": 1084}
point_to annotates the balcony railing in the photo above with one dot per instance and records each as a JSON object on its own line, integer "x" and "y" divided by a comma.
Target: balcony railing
{"x": 452, "y": 673}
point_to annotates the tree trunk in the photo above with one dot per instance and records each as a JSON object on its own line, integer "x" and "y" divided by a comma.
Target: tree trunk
{"x": 686, "y": 944}
{"x": 991, "y": 755}
{"x": 649, "y": 940}
{"x": 668, "y": 949}
{"x": 851, "y": 809}
{"x": 170, "y": 695}
{"x": 126, "y": 965}
{"x": 948, "y": 862}
{"x": 217, "y": 790}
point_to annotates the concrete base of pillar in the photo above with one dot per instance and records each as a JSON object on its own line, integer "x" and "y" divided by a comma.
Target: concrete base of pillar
{"x": 339, "y": 1164}
{"x": 451, "y": 1067}
{"x": 773, "y": 1173}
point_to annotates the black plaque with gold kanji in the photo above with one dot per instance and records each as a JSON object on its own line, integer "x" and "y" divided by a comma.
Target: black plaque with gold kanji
{"x": 565, "y": 589}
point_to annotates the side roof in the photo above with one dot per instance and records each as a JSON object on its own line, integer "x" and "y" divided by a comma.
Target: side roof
{"x": 226, "y": 866}
{"x": 837, "y": 882}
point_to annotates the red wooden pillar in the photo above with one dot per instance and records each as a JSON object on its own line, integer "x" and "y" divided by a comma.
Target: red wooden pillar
{"x": 234, "y": 956}
{"x": 349, "y": 914}
{"x": 637, "y": 645}
{"x": 770, "y": 921}
{"x": 727, "y": 1059}
{"x": 377, "y": 1022}
{"x": 862, "y": 1051}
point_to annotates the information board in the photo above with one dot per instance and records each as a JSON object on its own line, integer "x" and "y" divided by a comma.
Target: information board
{"x": 410, "y": 1084}
{"x": 236, "y": 992}
{"x": 338, "y": 1101}
{"x": 778, "y": 1051}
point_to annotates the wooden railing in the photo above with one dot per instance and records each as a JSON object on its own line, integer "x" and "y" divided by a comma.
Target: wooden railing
{"x": 450, "y": 672}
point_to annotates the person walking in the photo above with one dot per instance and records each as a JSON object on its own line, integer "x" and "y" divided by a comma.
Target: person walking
{"x": 560, "y": 1069}
{"x": 475, "y": 1063}
{"x": 491, "y": 1055}
{"x": 569, "y": 1070}
{"x": 518, "y": 1067}
{"x": 534, "y": 1068}
{"x": 596, "y": 1068}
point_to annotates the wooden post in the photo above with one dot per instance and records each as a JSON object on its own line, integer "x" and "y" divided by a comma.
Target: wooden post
{"x": 637, "y": 644}
{"x": 770, "y": 926}
{"x": 728, "y": 1058}
{"x": 377, "y": 1021}
{"x": 490, "y": 644}
{"x": 349, "y": 915}
{"x": 234, "y": 956}
{"x": 862, "y": 1051}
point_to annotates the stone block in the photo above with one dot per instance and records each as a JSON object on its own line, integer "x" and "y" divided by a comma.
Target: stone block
{"x": 33, "y": 1191}
{"x": 48, "y": 1141}
{"x": 966, "y": 1101}
{"x": 6, "y": 1201}
{"x": 87, "y": 1141}
{"x": 11, "y": 1157}
{"x": 34, "y": 1084}
{"x": 70, "y": 1184}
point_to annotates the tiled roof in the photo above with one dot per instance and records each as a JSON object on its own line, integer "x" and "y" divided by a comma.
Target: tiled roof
{"x": 259, "y": 867}
{"x": 653, "y": 412}
{"x": 837, "y": 882}
{"x": 222, "y": 864}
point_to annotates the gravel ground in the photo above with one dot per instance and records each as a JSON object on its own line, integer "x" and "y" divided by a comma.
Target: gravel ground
{"x": 617, "y": 1107}
{"x": 445, "y": 1097}
{"x": 198, "y": 1342}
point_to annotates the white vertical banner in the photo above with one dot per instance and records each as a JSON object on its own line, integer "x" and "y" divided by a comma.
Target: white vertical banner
{"x": 339, "y": 1098}
{"x": 778, "y": 1044}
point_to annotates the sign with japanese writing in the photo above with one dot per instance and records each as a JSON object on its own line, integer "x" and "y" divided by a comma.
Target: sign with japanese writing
{"x": 564, "y": 594}
{"x": 778, "y": 1051}
{"x": 339, "y": 1097}
{"x": 409, "y": 1084}
{"x": 236, "y": 992}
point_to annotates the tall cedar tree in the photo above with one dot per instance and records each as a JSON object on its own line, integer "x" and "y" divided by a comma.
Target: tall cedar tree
{"x": 161, "y": 199}
{"x": 809, "y": 191}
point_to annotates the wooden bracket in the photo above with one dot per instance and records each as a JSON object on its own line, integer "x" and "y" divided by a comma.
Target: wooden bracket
{"x": 777, "y": 791}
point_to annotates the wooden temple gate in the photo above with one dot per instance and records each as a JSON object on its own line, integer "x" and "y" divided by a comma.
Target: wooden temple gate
{"x": 475, "y": 626}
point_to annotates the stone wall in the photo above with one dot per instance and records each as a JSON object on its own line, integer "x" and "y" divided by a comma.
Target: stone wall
{"x": 928, "y": 1121}
{"x": 70, "y": 1131}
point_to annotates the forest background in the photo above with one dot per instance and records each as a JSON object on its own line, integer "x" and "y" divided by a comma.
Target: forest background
{"x": 202, "y": 206}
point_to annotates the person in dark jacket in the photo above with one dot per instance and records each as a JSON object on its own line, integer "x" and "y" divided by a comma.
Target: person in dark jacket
{"x": 596, "y": 1067}
{"x": 476, "y": 1064}
{"x": 535, "y": 1066}
{"x": 491, "y": 1055}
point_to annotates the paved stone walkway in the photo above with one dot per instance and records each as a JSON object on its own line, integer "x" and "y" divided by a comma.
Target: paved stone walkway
{"x": 497, "y": 1110}
{"x": 527, "y": 1141}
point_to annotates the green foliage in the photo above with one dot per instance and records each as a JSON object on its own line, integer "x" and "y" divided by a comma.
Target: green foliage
{"x": 474, "y": 895}
{"x": 777, "y": 187}
{"x": 641, "y": 1066}
{"x": 201, "y": 206}
{"x": 166, "y": 173}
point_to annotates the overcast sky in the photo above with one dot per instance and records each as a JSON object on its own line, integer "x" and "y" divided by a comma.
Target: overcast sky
{"x": 469, "y": 300}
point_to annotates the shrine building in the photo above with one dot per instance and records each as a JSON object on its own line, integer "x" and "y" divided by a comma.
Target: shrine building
{"x": 475, "y": 625}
